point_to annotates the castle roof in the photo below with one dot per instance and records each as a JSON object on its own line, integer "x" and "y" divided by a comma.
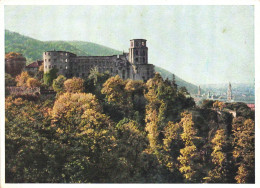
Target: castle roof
{"x": 35, "y": 64}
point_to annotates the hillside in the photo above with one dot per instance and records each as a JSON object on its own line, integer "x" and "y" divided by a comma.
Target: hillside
{"x": 32, "y": 49}
{"x": 193, "y": 89}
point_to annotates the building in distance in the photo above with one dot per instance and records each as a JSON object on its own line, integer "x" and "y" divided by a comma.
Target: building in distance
{"x": 34, "y": 66}
{"x": 133, "y": 65}
{"x": 14, "y": 63}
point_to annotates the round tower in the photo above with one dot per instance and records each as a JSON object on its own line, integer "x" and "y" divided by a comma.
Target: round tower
{"x": 59, "y": 60}
{"x": 138, "y": 52}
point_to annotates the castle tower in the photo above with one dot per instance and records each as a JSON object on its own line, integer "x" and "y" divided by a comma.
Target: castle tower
{"x": 199, "y": 91}
{"x": 229, "y": 92}
{"x": 138, "y": 52}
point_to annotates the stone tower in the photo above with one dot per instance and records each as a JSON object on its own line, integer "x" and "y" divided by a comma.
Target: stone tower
{"x": 229, "y": 92}
{"x": 138, "y": 52}
{"x": 199, "y": 91}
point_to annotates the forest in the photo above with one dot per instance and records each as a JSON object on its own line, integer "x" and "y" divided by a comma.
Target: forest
{"x": 104, "y": 129}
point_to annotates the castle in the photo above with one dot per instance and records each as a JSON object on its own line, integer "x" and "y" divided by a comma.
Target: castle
{"x": 133, "y": 65}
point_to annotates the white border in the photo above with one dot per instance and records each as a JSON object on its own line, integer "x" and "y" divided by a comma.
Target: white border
{"x": 256, "y": 3}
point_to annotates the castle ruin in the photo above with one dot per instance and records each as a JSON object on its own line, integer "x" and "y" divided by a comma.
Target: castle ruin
{"x": 133, "y": 65}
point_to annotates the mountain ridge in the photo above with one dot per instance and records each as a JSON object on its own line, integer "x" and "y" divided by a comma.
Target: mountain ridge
{"x": 32, "y": 50}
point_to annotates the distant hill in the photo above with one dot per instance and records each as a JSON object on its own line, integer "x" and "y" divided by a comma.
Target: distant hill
{"x": 32, "y": 49}
{"x": 193, "y": 89}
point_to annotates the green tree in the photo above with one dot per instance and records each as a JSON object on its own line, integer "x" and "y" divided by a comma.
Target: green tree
{"x": 30, "y": 149}
{"x": 58, "y": 84}
{"x": 48, "y": 77}
{"x": 9, "y": 80}
{"x": 94, "y": 83}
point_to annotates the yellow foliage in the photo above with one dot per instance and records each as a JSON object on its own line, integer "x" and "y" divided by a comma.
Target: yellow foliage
{"x": 32, "y": 82}
{"x": 22, "y": 79}
{"x": 74, "y": 85}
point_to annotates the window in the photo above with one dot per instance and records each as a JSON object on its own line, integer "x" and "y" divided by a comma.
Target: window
{"x": 136, "y": 52}
{"x": 123, "y": 74}
{"x": 143, "y": 52}
{"x": 49, "y": 60}
{"x": 143, "y": 43}
{"x": 143, "y": 59}
{"x": 136, "y": 60}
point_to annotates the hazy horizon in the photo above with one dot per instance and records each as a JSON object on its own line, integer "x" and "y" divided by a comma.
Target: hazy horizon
{"x": 200, "y": 44}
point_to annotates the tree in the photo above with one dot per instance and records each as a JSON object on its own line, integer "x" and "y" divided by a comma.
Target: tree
{"x": 244, "y": 153}
{"x": 48, "y": 77}
{"x": 40, "y": 73}
{"x": 207, "y": 104}
{"x": 219, "y": 105}
{"x": 219, "y": 159}
{"x": 69, "y": 108}
{"x": 22, "y": 79}
{"x": 58, "y": 84}
{"x": 114, "y": 90}
{"x": 88, "y": 137}
{"x": 30, "y": 149}
{"x": 94, "y": 83}
{"x": 189, "y": 159}
{"x": 9, "y": 80}
{"x": 32, "y": 83}
{"x": 74, "y": 85}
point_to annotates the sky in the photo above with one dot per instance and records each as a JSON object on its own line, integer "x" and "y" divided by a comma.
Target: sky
{"x": 200, "y": 44}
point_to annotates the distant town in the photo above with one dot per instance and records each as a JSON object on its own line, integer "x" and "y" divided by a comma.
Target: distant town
{"x": 227, "y": 93}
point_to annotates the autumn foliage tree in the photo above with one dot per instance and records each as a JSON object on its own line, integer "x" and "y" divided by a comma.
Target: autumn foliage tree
{"x": 22, "y": 79}
{"x": 219, "y": 158}
{"x": 244, "y": 153}
{"x": 189, "y": 159}
{"x": 69, "y": 108}
{"x": 113, "y": 88}
{"x": 32, "y": 83}
{"x": 74, "y": 85}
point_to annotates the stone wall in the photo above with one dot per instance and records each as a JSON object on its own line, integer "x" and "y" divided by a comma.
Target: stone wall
{"x": 71, "y": 65}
